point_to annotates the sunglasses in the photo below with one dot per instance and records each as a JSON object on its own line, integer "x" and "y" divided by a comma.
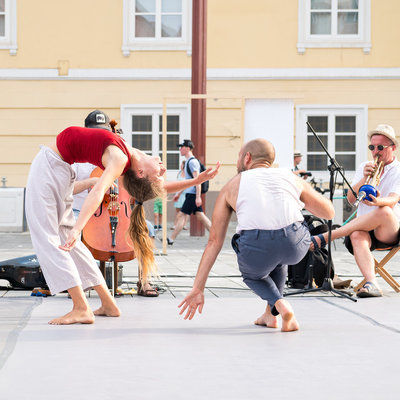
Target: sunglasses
{"x": 380, "y": 147}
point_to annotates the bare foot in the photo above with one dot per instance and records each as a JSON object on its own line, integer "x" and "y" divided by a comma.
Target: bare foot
{"x": 289, "y": 322}
{"x": 267, "y": 319}
{"x": 109, "y": 310}
{"x": 74, "y": 317}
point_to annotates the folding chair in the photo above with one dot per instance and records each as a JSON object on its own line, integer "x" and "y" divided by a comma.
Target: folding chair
{"x": 379, "y": 268}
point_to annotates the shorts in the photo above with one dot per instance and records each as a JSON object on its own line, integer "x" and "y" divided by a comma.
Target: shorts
{"x": 158, "y": 206}
{"x": 189, "y": 206}
{"x": 375, "y": 243}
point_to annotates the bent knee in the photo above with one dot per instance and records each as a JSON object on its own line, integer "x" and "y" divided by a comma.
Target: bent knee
{"x": 360, "y": 237}
{"x": 385, "y": 212}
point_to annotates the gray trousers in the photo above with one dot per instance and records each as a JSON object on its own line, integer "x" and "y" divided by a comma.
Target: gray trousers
{"x": 48, "y": 206}
{"x": 263, "y": 257}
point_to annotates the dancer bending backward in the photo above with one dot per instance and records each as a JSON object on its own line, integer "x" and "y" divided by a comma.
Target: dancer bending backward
{"x": 270, "y": 232}
{"x": 377, "y": 223}
{"x": 66, "y": 262}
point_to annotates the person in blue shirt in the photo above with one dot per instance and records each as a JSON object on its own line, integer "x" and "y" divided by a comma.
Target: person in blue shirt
{"x": 193, "y": 202}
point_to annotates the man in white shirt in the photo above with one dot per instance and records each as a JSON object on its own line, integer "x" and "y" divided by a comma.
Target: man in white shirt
{"x": 270, "y": 233}
{"x": 377, "y": 223}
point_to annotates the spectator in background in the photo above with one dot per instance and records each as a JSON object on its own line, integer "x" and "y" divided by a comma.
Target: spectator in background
{"x": 179, "y": 197}
{"x": 193, "y": 201}
{"x": 297, "y": 157}
{"x": 157, "y": 214}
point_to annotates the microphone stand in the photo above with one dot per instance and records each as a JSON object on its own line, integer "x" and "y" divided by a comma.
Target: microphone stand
{"x": 327, "y": 285}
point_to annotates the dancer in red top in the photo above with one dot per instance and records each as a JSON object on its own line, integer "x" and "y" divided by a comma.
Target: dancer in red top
{"x": 66, "y": 263}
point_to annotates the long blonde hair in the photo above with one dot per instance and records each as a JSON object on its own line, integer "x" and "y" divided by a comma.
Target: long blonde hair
{"x": 142, "y": 190}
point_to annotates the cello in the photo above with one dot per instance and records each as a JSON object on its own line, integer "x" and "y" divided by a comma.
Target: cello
{"x": 105, "y": 232}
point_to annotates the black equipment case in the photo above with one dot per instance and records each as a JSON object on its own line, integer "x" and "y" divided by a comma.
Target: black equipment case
{"x": 23, "y": 272}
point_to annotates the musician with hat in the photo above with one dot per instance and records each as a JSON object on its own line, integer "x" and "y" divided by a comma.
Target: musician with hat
{"x": 377, "y": 223}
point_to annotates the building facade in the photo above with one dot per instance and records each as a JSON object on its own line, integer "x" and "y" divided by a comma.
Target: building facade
{"x": 272, "y": 67}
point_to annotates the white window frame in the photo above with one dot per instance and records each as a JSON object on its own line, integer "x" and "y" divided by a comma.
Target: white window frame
{"x": 360, "y": 111}
{"x": 361, "y": 40}
{"x": 183, "y": 110}
{"x": 9, "y": 40}
{"x": 130, "y": 43}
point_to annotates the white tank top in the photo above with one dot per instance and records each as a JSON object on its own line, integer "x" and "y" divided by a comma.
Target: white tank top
{"x": 268, "y": 199}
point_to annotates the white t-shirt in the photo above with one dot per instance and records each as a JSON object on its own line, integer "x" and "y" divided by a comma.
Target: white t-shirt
{"x": 390, "y": 183}
{"x": 268, "y": 199}
{"x": 83, "y": 171}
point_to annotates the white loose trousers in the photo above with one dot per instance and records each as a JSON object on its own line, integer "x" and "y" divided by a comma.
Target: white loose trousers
{"x": 48, "y": 206}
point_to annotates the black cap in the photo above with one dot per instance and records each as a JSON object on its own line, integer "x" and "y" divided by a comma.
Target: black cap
{"x": 186, "y": 143}
{"x": 98, "y": 119}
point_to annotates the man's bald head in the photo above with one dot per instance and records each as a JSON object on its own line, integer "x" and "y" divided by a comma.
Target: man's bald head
{"x": 255, "y": 152}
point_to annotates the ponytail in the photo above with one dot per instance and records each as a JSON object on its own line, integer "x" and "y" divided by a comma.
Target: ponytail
{"x": 142, "y": 190}
{"x": 142, "y": 243}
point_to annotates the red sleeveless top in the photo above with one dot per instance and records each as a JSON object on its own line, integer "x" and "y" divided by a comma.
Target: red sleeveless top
{"x": 77, "y": 144}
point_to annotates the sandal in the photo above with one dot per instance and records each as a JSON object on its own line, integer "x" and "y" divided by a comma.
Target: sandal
{"x": 315, "y": 243}
{"x": 369, "y": 289}
{"x": 151, "y": 292}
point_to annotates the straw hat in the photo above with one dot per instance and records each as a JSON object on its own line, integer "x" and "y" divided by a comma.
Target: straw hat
{"x": 385, "y": 130}
{"x": 297, "y": 154}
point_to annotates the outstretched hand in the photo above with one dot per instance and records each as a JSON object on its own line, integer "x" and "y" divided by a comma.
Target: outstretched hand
{"x": 193, "y": 301}
{"x": 208, "y": 174}
{"x": 71, "y": 240}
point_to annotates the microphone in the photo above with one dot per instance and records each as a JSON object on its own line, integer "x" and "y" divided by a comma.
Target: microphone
{"x": 361, "y": 196}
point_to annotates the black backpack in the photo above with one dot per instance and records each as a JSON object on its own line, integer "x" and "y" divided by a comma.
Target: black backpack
{"x": 205, "y": 185}
{"x": 298, "y": 273}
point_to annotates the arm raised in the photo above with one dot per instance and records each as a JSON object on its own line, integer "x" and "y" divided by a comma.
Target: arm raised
{"x": 176, "y": 186}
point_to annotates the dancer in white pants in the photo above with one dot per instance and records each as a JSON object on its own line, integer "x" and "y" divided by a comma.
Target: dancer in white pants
{"x": 50, "y": 218}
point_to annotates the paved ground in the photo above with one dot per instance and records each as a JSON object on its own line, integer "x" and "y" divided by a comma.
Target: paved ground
{"x": 344, "y": 350}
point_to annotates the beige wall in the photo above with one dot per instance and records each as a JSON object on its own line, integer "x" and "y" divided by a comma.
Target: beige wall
{"x": 86, "y": 33}
{"x": 33, "y": 112}
{"x": 255, "y": 34}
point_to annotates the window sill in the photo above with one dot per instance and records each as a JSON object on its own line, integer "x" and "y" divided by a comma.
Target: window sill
{"x": 11, "y": 48}
{"x": 302, "y": 46}
{"x": 126, "y": 50}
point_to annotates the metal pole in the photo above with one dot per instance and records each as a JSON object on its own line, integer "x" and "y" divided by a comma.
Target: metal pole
{"x": 199, "y": 82}
{"x": 164, "y": 157}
